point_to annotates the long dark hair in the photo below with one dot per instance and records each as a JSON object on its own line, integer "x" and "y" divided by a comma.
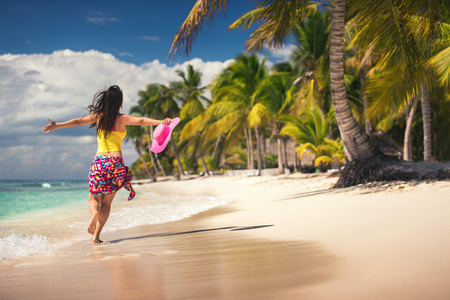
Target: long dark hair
{"x": 107, "y": 104}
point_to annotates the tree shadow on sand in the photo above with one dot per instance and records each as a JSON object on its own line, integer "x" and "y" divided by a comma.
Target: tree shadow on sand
{"x": 231, "y": 228}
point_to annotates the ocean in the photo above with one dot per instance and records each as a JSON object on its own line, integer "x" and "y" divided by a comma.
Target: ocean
{"x": 37, "y": 217}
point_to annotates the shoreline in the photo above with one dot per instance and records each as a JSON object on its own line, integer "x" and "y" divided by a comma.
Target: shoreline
{"x": 279, "y": 237}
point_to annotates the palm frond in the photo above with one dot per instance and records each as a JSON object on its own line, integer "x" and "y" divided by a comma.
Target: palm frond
{"x": 248, "y": 19}
{"x": 193, "y": 126}
{"x": 306, "y": 146}
{"x": 441, "y": 62}
{"x": 276, "y": 18}
{"x": 202, "y": 11}
{"x": 323, "y": 160}
{"x": 254, "y": 117}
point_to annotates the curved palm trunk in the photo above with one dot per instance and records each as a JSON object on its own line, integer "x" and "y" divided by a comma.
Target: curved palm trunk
{"x": 158, "y": 161}
{"x": 180, "y": 167}
{"x": 280, "y": 155}
{"x": 137, "y": 146}
{"x": 194, "y": 154}
{"x": 151, "y": 155}
{"x": 426, "y": 116}
{"x": 407, "y": 145}
{"x": 258, "y": 150}
{"x": 358, "y": 145}
{"x": 295, "y": 160}
{"x": 250, "y": 149}
{"x": 202, "y": 157}
{"x": 216, "y": 145}
{"x": 280, "y": 148}
{"x": 264, "y": 150}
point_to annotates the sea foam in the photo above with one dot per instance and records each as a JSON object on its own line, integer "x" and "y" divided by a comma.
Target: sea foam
{"x": 16, "y": 246}
{"x": 165, "y": 209}
{"x": 169, "y": 209}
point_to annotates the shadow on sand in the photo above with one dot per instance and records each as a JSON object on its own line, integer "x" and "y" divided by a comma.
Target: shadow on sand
{"x": 231, "y": 228}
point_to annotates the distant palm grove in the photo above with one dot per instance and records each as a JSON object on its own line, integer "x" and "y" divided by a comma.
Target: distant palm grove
{"x": 396, "y": 86}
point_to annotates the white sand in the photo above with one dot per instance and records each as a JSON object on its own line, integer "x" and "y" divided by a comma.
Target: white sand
{"x": 286, "y": 237}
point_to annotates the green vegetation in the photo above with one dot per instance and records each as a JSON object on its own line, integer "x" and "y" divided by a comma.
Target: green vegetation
{"x": 357, "y": 66}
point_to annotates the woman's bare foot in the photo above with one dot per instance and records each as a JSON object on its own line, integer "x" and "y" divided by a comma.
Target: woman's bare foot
{"x": 96, "y": 242}
{"x": 91, "y": 226}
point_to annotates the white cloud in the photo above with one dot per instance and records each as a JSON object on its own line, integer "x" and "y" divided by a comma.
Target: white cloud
{"x": 126, "y": 54}
{"x": 149, "y": 38}
{"x": 36, "y": 87}
{"x": 282, "y": 54}
{"x": 102, "y": 21}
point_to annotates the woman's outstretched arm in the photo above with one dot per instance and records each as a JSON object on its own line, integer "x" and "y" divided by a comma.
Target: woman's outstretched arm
{"x": 132, "y": 120}
{"x": 71, "y": 123}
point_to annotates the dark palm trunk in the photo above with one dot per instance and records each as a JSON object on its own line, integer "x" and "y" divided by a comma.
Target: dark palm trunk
{"x": 358, "y": 145}
{"x": 368, "y": 124}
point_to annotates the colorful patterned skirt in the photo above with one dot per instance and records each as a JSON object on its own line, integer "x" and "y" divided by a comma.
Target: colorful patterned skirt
{"x": 108, "y": 174}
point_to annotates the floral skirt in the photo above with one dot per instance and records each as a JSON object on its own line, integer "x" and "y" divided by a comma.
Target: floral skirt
{"x": 108, "y": 174}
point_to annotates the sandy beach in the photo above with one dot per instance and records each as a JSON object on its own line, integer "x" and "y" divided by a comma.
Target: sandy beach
{"x": 281, "y": 237}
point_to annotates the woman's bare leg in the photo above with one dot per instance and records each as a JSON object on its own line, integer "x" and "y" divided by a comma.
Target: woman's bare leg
{"x": 94, "y": 205}
{"x": 104, "y": 211}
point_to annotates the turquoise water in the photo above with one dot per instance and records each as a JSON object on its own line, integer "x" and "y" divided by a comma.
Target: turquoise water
{"x": 22, "y": 197}
{"x": 37, "y": 217}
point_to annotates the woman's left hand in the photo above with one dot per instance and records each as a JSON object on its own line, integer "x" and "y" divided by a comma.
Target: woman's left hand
{"x": 167, "y": 121}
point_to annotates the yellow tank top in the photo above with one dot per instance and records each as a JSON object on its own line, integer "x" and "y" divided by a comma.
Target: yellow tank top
{"x": 112, "y": 143}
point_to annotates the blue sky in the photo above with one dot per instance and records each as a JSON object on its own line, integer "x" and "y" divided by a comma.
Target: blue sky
{"x": 55, "y": 55}
{"x": 133, "y": 31}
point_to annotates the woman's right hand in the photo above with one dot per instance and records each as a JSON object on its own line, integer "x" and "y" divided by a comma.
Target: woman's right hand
{"x": 49, "y": 127}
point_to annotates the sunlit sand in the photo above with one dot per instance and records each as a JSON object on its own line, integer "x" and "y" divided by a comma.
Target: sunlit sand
{"x": 282, "y": 237}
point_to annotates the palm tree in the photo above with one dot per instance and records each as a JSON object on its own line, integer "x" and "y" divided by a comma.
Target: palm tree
{"x": 311, "y": 54}
{"x": 405, "y": 55}
{"x": 275, "y": 21}
{"x": 310, "y": 130}
{"x": 191, "y": 95}
{"x": 275, "y": 95}
{"x": 138, "y": 110}
{"x": 160, "y": 102}
{"x": 233, "y": 98}
{"x": 135, "y": 133}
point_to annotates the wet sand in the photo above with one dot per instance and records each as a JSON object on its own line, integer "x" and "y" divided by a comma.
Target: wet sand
{"x": 286, "y": 237}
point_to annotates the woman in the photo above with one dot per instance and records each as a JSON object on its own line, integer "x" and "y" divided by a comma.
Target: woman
{"x": 108, "y": 172}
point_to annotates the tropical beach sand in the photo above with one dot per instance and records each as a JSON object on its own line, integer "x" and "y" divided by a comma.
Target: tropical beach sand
{"x": 284, "y": 237}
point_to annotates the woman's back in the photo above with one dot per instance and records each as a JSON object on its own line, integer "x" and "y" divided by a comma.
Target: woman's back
{"x": 112, "y": 141}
